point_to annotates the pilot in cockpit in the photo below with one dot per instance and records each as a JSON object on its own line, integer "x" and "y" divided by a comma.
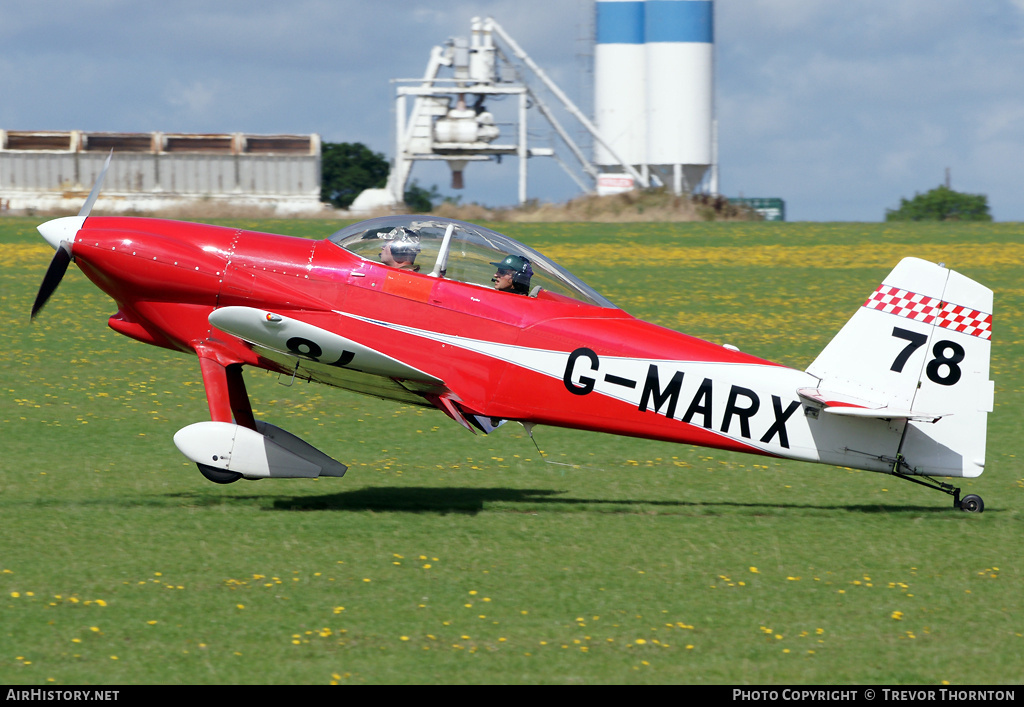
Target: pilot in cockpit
{"x": 401, "y": 246}
{"x": 513, "y": 275}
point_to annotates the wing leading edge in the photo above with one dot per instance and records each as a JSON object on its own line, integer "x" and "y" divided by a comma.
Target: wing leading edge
{"x": 313, "y": 353}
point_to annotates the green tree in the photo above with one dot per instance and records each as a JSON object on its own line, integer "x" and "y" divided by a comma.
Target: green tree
{"x": 346, "y": 169}
{"x": 941, "y": 204}
{"x": 420, "y": 200}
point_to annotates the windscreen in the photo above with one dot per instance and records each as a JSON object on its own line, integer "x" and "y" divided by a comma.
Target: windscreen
{"x": 470, "y": 257}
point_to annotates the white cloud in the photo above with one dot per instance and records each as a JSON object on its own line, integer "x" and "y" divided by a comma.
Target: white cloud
{"x": 837, "y": 107}
{"x": 195, "y": 99}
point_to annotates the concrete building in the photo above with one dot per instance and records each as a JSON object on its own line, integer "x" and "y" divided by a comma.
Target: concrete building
{"x": 54, "y": 171}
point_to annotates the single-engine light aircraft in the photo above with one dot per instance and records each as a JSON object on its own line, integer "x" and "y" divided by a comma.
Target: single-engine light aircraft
{"x": 436, "y": 312}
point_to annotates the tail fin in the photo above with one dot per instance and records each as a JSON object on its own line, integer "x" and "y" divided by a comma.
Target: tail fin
{"x": 918, "y": 350}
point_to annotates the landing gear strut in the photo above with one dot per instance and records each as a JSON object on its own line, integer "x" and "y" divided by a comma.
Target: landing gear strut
{"x": 970, "y": 503}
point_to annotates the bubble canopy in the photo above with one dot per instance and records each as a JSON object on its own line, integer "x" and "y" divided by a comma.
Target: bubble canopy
{"x": 467, "y": 253}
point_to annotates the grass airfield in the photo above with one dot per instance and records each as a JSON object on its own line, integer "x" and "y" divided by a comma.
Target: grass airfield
{"x": 444, "y": 557}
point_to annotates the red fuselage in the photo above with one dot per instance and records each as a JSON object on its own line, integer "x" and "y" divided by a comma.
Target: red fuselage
{"x": 167, "y": 277}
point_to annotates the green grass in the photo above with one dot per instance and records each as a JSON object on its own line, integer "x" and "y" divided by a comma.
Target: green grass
{"x": 444, "y": 557}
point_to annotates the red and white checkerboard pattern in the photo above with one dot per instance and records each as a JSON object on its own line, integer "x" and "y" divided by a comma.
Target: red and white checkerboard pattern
{"x": 930, "y": 310}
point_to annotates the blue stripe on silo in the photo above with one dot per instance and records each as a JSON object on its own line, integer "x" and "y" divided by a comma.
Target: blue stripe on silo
{"x": 620, "y": 22}
{"x": 679, "y": 21}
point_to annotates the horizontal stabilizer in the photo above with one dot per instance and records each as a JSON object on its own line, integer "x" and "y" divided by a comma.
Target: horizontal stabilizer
{"x": 883, "y": 414}
{"x": 844, "y": 405}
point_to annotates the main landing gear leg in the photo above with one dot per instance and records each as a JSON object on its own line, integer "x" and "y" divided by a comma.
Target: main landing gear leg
{"x": 971, "y": 503}
{"x": 234, "y": 445}
{"x": 228, "y": 401}
{"x": 225, "y": 393}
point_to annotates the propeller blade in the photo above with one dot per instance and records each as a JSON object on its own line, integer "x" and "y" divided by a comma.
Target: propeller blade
{"x": 54, "y": 274}
{"x": 61, "y": 233}
{"x": 94, "y": 194}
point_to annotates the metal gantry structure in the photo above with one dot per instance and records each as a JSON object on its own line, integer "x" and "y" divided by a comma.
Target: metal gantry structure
{"x": 449, "y": 120}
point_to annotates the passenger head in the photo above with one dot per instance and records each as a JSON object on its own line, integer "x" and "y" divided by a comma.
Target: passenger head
{"x": 401, "y": 246}
{"x": 513, "y": 274}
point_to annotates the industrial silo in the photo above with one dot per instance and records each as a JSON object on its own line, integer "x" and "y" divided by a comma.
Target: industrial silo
{"x": 620, "y": 101}
{"x": 678, "y": 44}
{"x": 662, "y": 100}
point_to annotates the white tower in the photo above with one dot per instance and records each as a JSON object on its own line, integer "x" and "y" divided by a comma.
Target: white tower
{"x": 620, "y": 98}
{"x": 654, "y": 86}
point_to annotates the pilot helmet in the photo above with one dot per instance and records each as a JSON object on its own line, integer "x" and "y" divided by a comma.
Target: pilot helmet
{"x": 405, "y": 245}
{"x": 521, "y": 270}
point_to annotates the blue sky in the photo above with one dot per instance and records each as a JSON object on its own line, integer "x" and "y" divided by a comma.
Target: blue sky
{"x": 838, "y": 108}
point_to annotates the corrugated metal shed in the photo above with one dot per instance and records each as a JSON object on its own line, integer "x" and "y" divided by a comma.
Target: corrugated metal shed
{"x": 152, "y": 171}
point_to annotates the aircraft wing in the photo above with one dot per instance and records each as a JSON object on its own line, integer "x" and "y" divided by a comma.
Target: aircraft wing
{"x": 314, "y": 353}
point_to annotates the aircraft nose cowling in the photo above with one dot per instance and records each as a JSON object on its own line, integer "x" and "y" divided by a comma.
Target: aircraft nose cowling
{"x": 61, "y": 230}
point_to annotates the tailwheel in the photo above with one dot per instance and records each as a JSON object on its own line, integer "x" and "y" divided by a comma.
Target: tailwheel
{"x": 218, "y": 476}
{"x": 972, "y": 503}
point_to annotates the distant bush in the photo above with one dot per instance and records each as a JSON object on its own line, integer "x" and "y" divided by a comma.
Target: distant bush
{"x": 941, "y": 204}
{"x": 641, "y": 205}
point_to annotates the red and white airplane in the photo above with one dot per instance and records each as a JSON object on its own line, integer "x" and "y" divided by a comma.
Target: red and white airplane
{"x": 903, "y": 389}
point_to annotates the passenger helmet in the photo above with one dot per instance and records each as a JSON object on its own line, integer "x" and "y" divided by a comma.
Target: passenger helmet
{"x": 405, "y": 245}
{"x": 521, "y": 270}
